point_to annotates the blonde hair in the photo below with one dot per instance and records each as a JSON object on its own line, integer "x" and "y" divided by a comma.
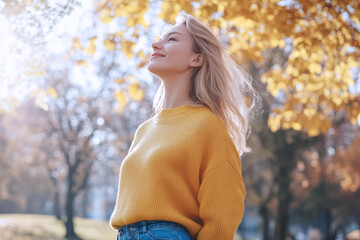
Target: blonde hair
{"x": 219, "y": 84}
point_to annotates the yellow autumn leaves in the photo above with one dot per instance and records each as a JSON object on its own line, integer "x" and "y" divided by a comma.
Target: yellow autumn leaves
{"x": 309, "y": 120}
{"x": 35, "y": 69}
{"x": 127, "y": 48}
{"x": 42, "y": 96}
{"x": 113, "y": 41}
{"x": 323, "y": 46}
{"x": 309, "y": 98}
{"x": 90, "y": 50}
{"x": 316, "y": 80}
{"x": 132, "y": 91}
{"x": 133, "y": 11}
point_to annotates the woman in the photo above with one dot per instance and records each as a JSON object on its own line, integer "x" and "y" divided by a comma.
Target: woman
{"x": 182, "y": 176}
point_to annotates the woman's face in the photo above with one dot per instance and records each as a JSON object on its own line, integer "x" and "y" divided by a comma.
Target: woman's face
{"x": 173, "y": 53}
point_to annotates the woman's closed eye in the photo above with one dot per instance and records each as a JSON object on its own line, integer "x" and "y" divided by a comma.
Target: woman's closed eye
{"x": 171, "y": 39}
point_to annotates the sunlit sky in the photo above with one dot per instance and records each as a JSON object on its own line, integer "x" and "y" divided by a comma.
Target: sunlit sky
{"x": 80, "y": 23}
{"x": 8, "y": 61}
{"x": 13, "y": 66}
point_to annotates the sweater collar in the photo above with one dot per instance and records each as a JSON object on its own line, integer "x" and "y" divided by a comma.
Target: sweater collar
{"x": 172, "y": 112}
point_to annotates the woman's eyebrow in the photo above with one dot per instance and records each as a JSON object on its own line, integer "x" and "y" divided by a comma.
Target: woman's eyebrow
{"x": 171, "y": 33}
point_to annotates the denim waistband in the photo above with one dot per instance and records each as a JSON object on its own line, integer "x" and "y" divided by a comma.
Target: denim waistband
{"x": 143, "y": 226}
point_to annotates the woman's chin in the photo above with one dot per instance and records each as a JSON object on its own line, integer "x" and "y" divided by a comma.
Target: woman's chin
{"x": 154, "y": 69}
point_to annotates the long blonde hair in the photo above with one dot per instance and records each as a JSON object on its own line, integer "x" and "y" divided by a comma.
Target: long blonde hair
{"x": 219, "y": 84}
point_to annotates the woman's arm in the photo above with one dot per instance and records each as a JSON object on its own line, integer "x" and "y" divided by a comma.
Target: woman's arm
{"x": 221, "y": 199}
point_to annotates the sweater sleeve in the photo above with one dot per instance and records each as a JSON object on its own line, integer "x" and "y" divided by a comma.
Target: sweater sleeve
{"x": 221, "y": 200}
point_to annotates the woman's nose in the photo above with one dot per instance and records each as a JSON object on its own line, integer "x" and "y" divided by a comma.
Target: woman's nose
{"x": 156, "y": 45}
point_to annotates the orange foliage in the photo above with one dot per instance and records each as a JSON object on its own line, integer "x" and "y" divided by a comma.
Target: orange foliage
{"x": 346, "y": 166}
{"x": 321, "y": 38}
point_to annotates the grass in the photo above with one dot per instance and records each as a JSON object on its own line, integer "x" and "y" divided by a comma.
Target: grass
{"x": 44, "y": 227}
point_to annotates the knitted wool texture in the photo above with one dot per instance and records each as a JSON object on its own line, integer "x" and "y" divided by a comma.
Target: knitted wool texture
{"x": 183, "y": 167}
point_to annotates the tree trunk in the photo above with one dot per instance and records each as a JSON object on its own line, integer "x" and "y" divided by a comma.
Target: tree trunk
{"x": 56, "y": 207}
{"x": 282, "y": 218}
{"x": 328, "y": 224}
{"x": 265, "y": 215}
{"x": 285, "y": 153}
{"x": 69, "y": 223}
{"x": 85, "y": 201}
{"x": 56, "y": 195}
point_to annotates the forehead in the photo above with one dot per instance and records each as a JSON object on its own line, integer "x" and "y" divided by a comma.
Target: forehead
{"x": 179, "y": 28}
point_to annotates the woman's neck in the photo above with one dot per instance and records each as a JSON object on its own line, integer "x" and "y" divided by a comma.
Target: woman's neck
{"x": 177, "y": 92}
{"x": 176, "y": 99}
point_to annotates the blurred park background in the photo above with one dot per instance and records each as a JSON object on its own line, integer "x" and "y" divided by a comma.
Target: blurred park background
{"x": 74, "y": 87}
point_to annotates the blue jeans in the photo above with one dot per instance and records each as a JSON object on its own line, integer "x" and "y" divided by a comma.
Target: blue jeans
{"x": 153, "y": 230}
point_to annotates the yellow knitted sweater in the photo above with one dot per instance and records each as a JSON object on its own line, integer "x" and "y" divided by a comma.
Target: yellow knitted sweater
{"x": 183, "y": 167}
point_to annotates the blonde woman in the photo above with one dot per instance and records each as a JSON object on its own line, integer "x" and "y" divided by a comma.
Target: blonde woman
{"x": 182, "y": 176}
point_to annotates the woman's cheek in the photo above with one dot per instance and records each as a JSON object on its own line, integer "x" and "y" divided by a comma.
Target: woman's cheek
{"x": 176, "y": 55}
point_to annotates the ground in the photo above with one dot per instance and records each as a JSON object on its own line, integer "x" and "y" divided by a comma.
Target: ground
{"x": 43, "y": 227}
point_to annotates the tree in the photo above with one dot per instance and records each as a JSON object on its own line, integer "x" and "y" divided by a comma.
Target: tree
{"x": 79, "y": 126}
{"x": 326, "y": 190}
{"x": 26, "y": 27}
{"x": 319, "y": 42}
{"x": 309, "y": 87}
{"x": 33, "y": 20}
{"x": 73, "y": 123}
{"x": 22, "y": 177}
{"x": 316, "y": 79}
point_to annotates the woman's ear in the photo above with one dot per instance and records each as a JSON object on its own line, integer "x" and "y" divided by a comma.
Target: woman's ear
{"x": 197, "y": 61}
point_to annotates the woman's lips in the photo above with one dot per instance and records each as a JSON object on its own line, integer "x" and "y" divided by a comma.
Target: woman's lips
{"x": 156, "y": 55}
